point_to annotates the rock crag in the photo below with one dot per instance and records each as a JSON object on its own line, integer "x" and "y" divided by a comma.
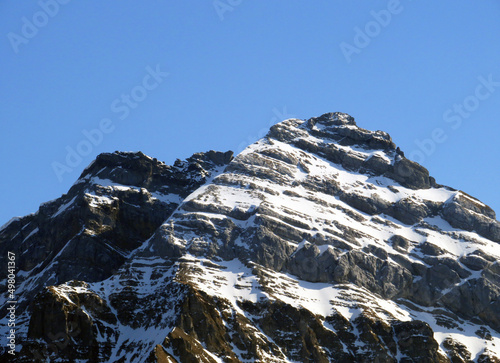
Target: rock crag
{"x": 320, "y": 242}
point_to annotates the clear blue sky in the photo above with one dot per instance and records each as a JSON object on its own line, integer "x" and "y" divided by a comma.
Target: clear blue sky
{"x": 234, "y": 70}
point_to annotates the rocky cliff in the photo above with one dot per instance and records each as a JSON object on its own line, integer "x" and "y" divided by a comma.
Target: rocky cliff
{"x": 320, "y": 242}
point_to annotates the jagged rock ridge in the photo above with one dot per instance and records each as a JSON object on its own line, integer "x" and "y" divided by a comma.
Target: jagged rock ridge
{"x": 115, "y": 205}
{"x": 320, "y": 242}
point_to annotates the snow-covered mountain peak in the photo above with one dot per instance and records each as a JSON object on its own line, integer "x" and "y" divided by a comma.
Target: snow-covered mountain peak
{"x": 320, "y": 242}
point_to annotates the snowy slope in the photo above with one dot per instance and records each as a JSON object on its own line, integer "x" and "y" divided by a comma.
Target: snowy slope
{"x": 319, "y": 242}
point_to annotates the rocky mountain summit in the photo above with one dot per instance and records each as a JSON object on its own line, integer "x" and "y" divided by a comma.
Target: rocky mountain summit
{"x": 320, "y": 242}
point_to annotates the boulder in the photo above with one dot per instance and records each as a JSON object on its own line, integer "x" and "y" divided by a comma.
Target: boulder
{"x": 464, "y": 213}
{"x": 409, "y": 174}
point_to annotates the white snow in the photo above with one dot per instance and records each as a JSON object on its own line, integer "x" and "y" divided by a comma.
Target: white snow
{"x": 65, "y": 290}
{"x": 317, "y": 213}
{"x": 167, "y": 198}
{"x": 472, "y": 199}
{"x": 108, "y": 183}
{"x": 97, "y": 200}
{"x": 31, "y": 234}
{"x": 465, "y": 333}
{"x": 64, "y": 207}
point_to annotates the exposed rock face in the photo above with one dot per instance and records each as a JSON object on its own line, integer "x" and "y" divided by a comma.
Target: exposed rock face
{"x": 88, "y": 233}
{"x": 467, "y": 213}
{"x": 318, "y": 243}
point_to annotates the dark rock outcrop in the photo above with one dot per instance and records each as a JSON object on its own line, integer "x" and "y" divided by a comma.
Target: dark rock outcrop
{"x": 321, "y": 242}
{"x": 117, "y": 203}
{"x": 467, "y": 213}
